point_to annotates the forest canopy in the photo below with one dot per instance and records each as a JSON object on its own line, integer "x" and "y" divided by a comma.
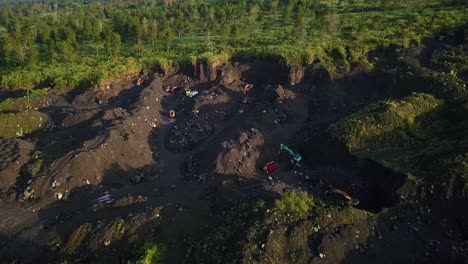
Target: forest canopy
{"x": 66, "y": 44}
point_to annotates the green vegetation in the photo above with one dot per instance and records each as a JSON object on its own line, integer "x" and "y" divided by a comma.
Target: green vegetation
{"x": 419, "y": 135}
{"x": 76, "y": 238}
{"x": 18, "y": 124}
{"x": 440, "y": 84}
{"x": 36, "y": 164}
{"x": 381, "y": 125}
{"x": 240, "y": 225}
{"x": 295, "y": 202}
{"x": 152, "y": 253}
{"x": 115, "y": 231}
{"x": 76, "y": 44}
{"x": 279, "y": 233}
{"x": 22, "y": 103}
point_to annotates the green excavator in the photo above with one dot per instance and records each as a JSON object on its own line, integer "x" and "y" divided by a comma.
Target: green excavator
{"x": 295, "y": 156}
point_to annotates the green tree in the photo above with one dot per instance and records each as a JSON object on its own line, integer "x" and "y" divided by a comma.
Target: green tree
{"x": 332, "y": 22}
{"x": 288, "y": 10}
{"x": 66, "y": 50}
{"x": 253, "y": 14}
{"x": 274, "y": 6}
{"x": 113, "y": 44}
{"x": 152, "y": 32}
{"x": 87, "y": 30}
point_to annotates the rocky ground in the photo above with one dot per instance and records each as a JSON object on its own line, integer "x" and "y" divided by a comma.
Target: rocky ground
{"x": 111, "y": 168}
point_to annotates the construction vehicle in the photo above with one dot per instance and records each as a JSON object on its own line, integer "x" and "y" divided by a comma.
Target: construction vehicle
{"x": 270, "y": 166}
{"x": 248, "y": 87}
{"x": 171, "y": 89}
{"x": 295, "y": 156}
{"x": 140, "y": 81}
{"x": 351, "y": 201}
{"x": 172, "y": 113}
{"x": 190, "y": 93}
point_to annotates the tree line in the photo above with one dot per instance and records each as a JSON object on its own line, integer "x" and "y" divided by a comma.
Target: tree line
{"x": 38, "y": 32}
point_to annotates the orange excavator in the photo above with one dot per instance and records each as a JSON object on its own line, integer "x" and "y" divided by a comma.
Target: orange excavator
{"x": 248, "y": 98}
{"x": 351, "y": 201}
{"x": 247, "y": 88}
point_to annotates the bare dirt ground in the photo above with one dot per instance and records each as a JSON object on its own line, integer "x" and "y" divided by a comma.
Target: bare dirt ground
{"x": 114, "y": 153}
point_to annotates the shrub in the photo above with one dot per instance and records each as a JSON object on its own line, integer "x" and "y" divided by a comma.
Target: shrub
{"x": 36, "y": 164}
{"x": 295, "y": 202}
{"x": 152, "y": 253}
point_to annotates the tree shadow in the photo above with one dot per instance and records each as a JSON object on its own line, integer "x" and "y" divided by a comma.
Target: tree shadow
{"x": 19, "y": 250}
{"x": 264, "y": 72}
{"x": 5, "y": 94}
{"x": 426, "y": 232}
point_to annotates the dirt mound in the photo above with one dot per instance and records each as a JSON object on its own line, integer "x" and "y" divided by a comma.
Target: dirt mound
{"x": 123, "y": 145}
{"x": 14, "y": 153}
{"x": 239, "y": 156}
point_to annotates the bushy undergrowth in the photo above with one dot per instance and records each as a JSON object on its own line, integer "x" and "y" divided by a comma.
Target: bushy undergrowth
{"x": 295, "y": 202}
{"x": 419, "y": 135}
{"x": 382, "y": 125}
{"x": 36, "y": 164}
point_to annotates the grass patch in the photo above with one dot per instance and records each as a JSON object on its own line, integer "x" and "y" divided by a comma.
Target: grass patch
{"x": 381, "y": 125}
{"x": 36, "y": 164}
{"x": 421, "y": 136}
{"x": 21, "y": 123}
{"x": 76, "y": 239}
{"x": 22, "y": 103}
{"x": 115, "y": 231}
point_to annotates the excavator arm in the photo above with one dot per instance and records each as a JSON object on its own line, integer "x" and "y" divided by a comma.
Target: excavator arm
{"x": 351, "y": 200}
{"x": 295, "y": 156}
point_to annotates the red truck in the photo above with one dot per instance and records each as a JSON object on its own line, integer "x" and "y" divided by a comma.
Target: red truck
{"x": 270, "y": 166}
{"x": 172, "y": 114}
{"x": 141, "y": 81}
{"x": 172, "y": 89}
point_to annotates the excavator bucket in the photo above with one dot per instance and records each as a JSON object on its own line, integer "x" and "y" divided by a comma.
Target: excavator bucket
{"x": 248, "y": 87}
{"x": 351, "y": 200}
{"x": 190, "y": 93}
{"x": 354, "y": 201}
